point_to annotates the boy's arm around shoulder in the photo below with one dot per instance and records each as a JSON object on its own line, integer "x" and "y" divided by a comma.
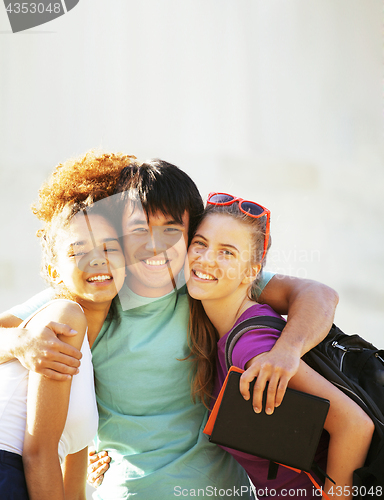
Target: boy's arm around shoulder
{"x": 47, "y": 408}
{"x": 310, "y": 307}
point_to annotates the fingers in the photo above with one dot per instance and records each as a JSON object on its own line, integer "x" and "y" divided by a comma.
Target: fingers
{"x": 58, "y": 371}
{"x": 60, "y": 377}
{"x": 270, "y": 403}
{"x": 98, "y": 464}
{"x": 245, "y": 379}
{"x": 280, "y": 393}
{"x": 40, "y": 350}
{"x": 268, "y": 371}
{"x": 96, "y": 478}
{"x": 277, "y": 385}
{"x": 258, "y": 391}
{"x": 263, "y": 376}
{"x": 56, "y": 365}
{"x": 57, "y": 360}
{"x": 57, "y": 355}
{"x": 61, "y": 329}
{"x": 51, "y": 357}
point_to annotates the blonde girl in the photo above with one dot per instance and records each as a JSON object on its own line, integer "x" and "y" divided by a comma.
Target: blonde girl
{"x": 225, "y": 258}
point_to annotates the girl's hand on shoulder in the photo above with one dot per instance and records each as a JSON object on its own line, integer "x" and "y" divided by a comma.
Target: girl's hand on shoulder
{"x": 98, "y": 464}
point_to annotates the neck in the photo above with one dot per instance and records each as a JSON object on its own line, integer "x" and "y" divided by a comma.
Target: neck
{"x": 95, "y": 313}
{"x": 151, "y": 292}
{"x": 224, "y": 312}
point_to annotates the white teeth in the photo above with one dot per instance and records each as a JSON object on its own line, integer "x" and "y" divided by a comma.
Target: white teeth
{"x": 155, "y": 262}
{"x": 204, "y": 276}
{"x": 101, "y": 277}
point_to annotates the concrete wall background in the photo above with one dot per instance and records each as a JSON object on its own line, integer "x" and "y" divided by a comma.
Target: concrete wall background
{"x": 276, "y": 101}
{"x": 279, "y": 102}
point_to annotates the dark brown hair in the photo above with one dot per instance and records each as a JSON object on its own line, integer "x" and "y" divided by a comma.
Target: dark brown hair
{"x": 159, "y": 186}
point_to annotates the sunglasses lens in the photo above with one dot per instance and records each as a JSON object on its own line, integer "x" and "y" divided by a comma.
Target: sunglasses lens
{"x": 220, "y": 198}
{"x": 252, "y": 208}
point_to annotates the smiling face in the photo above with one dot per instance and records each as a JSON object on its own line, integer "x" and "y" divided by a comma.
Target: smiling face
{"x": 90, "y": 261}
{"x": 219, "y": 259}
{"x": 155, "y": 251}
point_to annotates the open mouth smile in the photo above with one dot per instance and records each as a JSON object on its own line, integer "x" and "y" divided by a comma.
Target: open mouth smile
{"x": 203, "y": 276}
{"x": 99, "y": 278}
{"x": 155, "y": 262}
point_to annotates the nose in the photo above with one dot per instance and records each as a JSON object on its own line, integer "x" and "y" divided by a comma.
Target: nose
{"x": 156, "y": 242}
{"x": 207, "y": 257}
{"x": 98, "y": 257}
{"x": 98, "y": 261}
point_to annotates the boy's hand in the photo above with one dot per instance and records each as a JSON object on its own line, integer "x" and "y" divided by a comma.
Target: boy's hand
{"x": 39, "y": 350}
{"x": 276, "y": 367}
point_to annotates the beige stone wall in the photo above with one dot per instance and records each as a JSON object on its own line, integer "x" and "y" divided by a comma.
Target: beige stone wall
{"x": 280, "y": 102}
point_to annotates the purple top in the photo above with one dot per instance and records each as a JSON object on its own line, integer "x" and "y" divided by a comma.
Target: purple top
{"x": 248, "y": 346}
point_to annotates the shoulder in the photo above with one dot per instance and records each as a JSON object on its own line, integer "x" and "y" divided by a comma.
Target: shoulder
{"x": 65, "y": 309}
{"x": 256, "y": 310}
{"x": 66, "y": 312}
{"x": 258, "y": 340}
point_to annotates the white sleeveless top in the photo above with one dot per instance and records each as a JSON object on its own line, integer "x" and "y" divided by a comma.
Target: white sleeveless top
{"x": 82, "y": 418}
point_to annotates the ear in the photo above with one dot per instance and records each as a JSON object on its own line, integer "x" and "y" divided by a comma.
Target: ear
{"x": 54, "y": 274}
{"x": 251, "y": 275}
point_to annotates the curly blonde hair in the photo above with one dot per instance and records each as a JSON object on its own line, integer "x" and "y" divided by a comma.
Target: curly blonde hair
{"x": 74, "y": 186}
{"x": 94, "y": 174}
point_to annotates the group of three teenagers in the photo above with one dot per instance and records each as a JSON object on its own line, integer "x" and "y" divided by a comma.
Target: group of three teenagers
{"x": 147, "y": 422}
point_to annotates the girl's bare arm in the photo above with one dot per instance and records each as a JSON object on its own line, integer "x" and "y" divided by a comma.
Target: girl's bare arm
{"x": 47, "y": 408}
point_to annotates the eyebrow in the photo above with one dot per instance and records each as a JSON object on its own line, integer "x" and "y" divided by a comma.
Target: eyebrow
{"x": 169, "y": 222}
{"x": 80, "y": 243}
{"x": 173, "y": 222}
{"x": 221, "y": 244}
{"x": 134, "y": 222}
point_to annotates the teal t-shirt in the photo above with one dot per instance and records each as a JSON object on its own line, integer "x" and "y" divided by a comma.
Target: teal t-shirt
{"x": 147, "y": 420}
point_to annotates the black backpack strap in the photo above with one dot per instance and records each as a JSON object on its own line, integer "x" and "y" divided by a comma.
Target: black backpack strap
{"x": 247, "y": 325}
{"x": 320, "y": 473}
{"x": 272, "y": 470}
{"x": 363, "y": 358}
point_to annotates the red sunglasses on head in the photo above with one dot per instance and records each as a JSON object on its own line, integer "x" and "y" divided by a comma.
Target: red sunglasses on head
{"x": 247, "y": 207}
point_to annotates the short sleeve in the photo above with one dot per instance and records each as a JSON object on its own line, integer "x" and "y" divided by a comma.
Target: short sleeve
{"x": 24, "y": 310}
{"x": 266, "y": 277}
{"x": 253, "y": 343}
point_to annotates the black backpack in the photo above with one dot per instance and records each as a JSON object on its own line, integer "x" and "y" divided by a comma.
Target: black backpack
{"x": 356, "y": 367}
